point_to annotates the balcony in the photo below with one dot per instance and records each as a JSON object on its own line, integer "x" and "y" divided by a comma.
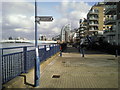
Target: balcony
{"x": 109, "y": 32}
{"x": 111, "y": 20}
{"x": 109, "y": 2}
{"x": 93, "y": 24}
{"x": 93, "y": 12}
{"x": 82, "y": 32}
{"x": 93, "y": 30}
{"x": 110, "y": 9}
{"x": 93, "y": 18}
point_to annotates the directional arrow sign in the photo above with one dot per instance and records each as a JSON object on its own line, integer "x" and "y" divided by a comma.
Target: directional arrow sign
{"x": 44, "y": 18}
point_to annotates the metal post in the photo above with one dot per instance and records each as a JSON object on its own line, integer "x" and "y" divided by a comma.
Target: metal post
{"x": 50, "y": 51}
{"x": 45, "y": 52}
{"x": 82, "y": 51}
{"x": 25, "y": 59}
{"x": 116, "y": 53}
{"x": 37, "y": 59}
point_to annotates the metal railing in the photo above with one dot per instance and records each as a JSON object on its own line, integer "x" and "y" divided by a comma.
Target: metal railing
{"x": 16, "y": 63}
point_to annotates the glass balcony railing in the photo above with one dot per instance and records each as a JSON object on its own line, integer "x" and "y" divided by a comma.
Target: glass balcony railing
{"x": 93, "y": 12}
{"x": 110, "y": 20}
{"x": 93, "y": 29}
{"x": 110, "y": 9}
{"x": 93, "y": 18}
{"x": 109, "y": 31}
{"x": 93, "y": 23}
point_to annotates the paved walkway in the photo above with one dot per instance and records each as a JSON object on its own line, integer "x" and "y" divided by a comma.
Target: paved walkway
{"x": 95, "y": 70}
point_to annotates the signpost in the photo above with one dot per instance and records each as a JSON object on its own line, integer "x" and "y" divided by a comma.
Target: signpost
{"x": 37, "y": 58}
{"x": 44, "y": 18}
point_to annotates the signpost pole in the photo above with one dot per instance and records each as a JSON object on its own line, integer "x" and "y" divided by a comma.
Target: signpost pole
{"x": 37, "y": 59}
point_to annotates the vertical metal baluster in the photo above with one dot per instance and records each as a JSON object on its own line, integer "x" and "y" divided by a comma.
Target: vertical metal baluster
{"x": 17, "y": 69}
{"x": 0, "y": 69}
{"x": 22, "y": 62}
{"x": 18, "y": 64}
{"x": 14, "y": 63}
{"x": 5, "y": 69}
{"x": 10, "y": 66}
{"x": 25, "y": 59}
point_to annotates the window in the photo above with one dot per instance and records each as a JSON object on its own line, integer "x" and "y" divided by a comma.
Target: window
{"x": 96, "y": 10}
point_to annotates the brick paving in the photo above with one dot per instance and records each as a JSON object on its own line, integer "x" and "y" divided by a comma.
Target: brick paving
{"x": 93, "y": 71}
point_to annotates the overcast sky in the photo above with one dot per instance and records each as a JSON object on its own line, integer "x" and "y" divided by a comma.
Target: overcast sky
{"x": 18, "y": 17}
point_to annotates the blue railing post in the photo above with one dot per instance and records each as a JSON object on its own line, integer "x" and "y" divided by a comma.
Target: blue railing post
{"x": 54, "y": 49}
{"x": 45, "y": 47}
{"x": 1, "y": 68}
{"x": 50, "y": 51}
{"x": 25, "y": 59}
{"x": 45, "y": 52}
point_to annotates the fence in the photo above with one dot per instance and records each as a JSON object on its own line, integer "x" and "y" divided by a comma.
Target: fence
{"x": 13, "y": 64}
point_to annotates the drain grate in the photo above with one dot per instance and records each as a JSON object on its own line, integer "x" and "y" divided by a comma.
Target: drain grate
{"x": 56, "y": 76}
{"x": 63, "y": 62}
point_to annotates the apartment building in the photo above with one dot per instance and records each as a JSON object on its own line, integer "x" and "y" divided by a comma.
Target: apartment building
{"x": 112, "y": 23}
{"x": 83, "y": 29}
{"x": 96, "y": 19}
{"x": 65, "y": 32}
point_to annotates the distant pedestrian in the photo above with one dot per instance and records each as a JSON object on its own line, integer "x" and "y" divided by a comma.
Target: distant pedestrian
{"x": 82, "y": 46}
{"x": 60, "y": 50}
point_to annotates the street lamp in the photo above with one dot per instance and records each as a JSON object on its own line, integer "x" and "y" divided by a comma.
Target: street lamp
{"x": 37, "y": 58}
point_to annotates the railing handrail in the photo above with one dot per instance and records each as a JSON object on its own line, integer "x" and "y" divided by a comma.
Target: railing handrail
{"x": 16, "y": 47}
{"x": 20, "y": 47}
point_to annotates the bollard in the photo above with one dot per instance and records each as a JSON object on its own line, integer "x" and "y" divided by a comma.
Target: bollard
{"x": 116, "y": 53}
{"x": 82, "y": 52}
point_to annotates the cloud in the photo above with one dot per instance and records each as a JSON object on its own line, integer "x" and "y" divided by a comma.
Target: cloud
{"x": 56, "y": 30}
{"x": 16, "y": 22}
{"x": 18, "y": 18}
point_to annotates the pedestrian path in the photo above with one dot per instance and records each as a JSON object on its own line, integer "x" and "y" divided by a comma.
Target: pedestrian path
{"x": 95, "y": 70}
